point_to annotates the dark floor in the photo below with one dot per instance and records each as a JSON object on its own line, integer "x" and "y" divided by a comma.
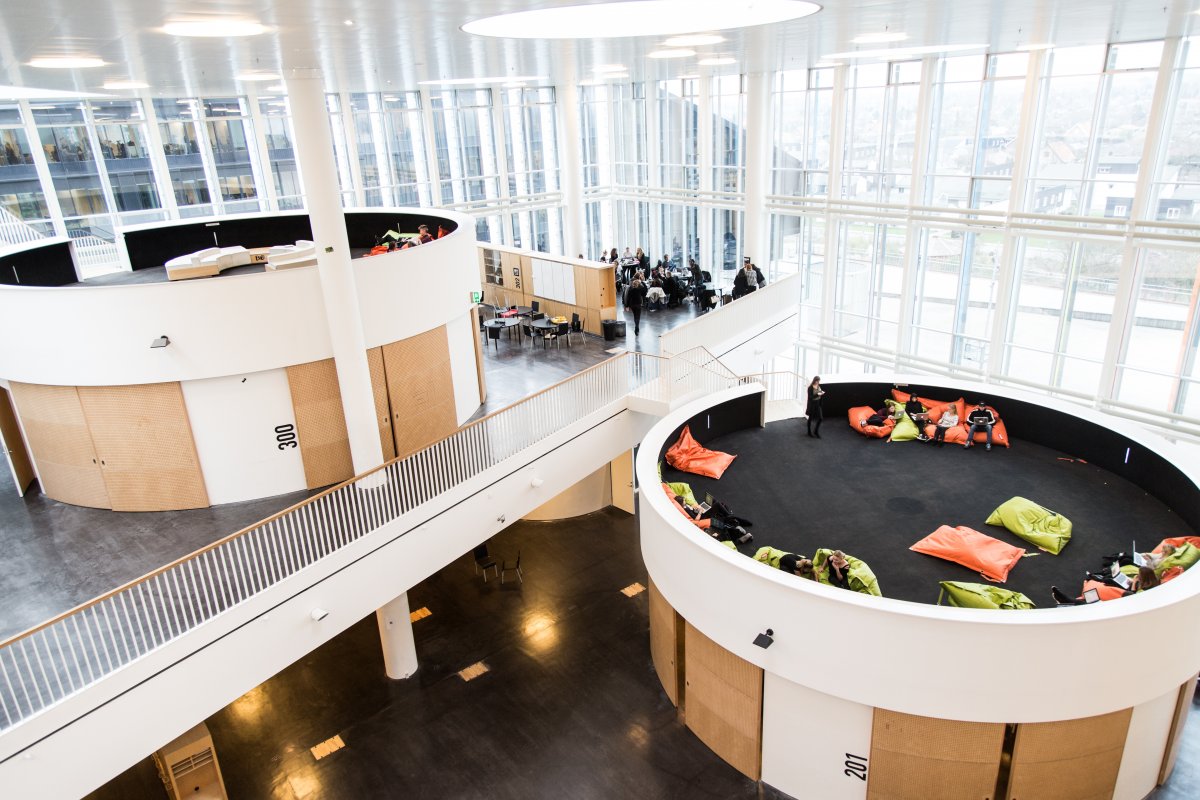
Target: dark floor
{"x": 571, "y": 706}
{"x": 873, "y": 499}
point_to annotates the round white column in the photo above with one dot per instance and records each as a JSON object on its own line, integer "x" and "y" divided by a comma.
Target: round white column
{"x": 396, "y": 635}
{"x": 570, "y": 169}
{"x": 759, "y": 135}
{"x": 318, "y": 175}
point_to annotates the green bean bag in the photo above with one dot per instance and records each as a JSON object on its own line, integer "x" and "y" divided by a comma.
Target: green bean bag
{"x": 1036, "y": 525}
{"x": 684, "y": 490}
{"x": 730, "y": 545}
{"x": 981, "y": 595}
{"x": 905, "y": 431}
{"x": 862, "y": 579}
{"x": 1184, "y": 556}
{"x": 770, "y": 556}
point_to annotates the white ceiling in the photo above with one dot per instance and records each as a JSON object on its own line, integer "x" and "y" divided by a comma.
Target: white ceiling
{"x": 394, "y": 44}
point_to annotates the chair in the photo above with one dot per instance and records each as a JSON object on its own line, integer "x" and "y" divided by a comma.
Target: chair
{"x": 535, "y": 305}
{"x": 494, "y": 335}
{"x": 506, "y": 568}
{"x": 535, "y": 316}
{"x": 484, "y": 562}
{"x": 576, "y": 323}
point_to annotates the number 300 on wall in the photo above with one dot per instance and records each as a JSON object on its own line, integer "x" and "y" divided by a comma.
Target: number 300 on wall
{"x": 285, "y": 435}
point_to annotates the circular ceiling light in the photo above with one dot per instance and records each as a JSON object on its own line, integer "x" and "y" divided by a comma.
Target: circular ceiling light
{"x": 119, "y": 85}
{"x": 258, "y": 76}
{"x": 67, "y": 62}
{"x": 879, "y": 38}
{"x": 694, "y": 40}
{"x": 716, "y": 62}
{"x": 214, "y": 27}
{"x": 639, "y": 18}
{"x": 674, "y": 53}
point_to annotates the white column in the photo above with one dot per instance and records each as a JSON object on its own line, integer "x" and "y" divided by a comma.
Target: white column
{"x": 396, "y": 634}
{"x": 570, "y": 165}
{"x": 759, "y": 135}
{"x": 318, "y": 174}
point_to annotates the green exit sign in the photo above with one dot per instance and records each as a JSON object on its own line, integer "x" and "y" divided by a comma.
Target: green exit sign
{"x": 476, "y": 297}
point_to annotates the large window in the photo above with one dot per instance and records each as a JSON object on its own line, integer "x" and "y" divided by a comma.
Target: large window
{"x": 121, "y": 131}
{"x": 881, "y": 117}
{"x": 678, "y": 133}
{"x": 803, "y": 102}
{"x": 182, "y": 149}
{"x": 1177, "y": 188}
{"x": 728, "y": 107}
{"x": 23, "y": 211}
{"x": 630, "y": 156}
{"x": 530, "y": 141}
{"x": 227, "y": 124}
{"x": 281, "y": 157}
{"x": 594, "y": 127}
{"x": 466, "y": 146}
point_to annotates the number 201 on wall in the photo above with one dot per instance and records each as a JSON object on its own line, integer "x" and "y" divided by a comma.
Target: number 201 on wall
{"x": 285, "y": 435}
{"x": 856, "y": 767}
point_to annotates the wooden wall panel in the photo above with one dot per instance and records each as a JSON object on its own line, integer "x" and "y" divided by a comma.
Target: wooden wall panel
{"x": 61, "y": 444}
{"x": 143, "y": 439}
{"x": 664, "y": 644}
{"x": 479, "y": 374}
{"x": 383, "y": 409}
{"x": 320, "y": 423}
{"x": 1175, "y": 738}
{"x": 14, "y": 443}
{"x": 723, "y": 702}
{"x": 921, "y": 758}
{"x": 1074, "y": 759}
{"x": 421, "y": 390}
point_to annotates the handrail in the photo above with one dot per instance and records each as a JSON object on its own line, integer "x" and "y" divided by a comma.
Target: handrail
{"x": 61, "y": 656}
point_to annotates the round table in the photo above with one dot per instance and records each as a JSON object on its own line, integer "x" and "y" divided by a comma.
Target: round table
{"x": 504, "y": 322}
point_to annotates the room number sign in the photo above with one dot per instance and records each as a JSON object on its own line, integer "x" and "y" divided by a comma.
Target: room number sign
{"x": 285, "y": 435}
{"x": 856, "y": 767}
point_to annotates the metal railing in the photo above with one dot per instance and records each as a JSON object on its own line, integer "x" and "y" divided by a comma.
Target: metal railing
{"x": 74, "y": 650}
{"x": 712, "y": 329}
{"x": 14, "y": 230}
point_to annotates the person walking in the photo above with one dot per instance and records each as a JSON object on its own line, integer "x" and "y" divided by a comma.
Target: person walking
{"x": 813, "y": 411}
{"x": 635, "y": 294}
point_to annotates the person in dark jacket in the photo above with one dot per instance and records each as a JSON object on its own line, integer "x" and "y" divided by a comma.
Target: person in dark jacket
{"x": 813, "y": 411}
{"x": 748, "y": 279}
{"x": 635, "y": 294}
{"x": 980, "y": 418}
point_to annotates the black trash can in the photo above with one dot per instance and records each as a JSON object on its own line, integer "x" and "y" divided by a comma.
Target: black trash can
{"x": 613, "y": 329}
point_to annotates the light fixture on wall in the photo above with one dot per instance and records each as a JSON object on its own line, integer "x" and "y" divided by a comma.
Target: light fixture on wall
{"x": 161, "y": 341}
{"x": 536, "y": 482}
{"x": 318, "y": 614}
{"x": 765, "y": 639}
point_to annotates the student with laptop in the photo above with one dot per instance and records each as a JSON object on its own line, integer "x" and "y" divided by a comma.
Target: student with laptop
{"x": 980, "y": 418}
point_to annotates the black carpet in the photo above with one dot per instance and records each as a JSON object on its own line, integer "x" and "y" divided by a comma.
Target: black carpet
{"x": 873, "y": 499}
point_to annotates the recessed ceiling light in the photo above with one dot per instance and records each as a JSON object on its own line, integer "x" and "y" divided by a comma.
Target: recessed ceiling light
{"x": 118, "y": 85}
{"x": 31, "y": 92}
{"x": 479, "y": 81}
{"x": 640, "y": 17}
{"x": 214, "y": 27}
{"x": 67, "y": 62}
{"x": 879, "y": 38}
{"x": 1028, "y": 47}
{"x": 610, "y": 68}
{"x": 694, "y": 40}
{"x": 716, "y": 62}
{"x": 905, "y": 52}
{"x": 674, "y": 53}
{"x": 276, "y": 87}
{"x": 347, "y": 22}
{"x": 258, "y": 76}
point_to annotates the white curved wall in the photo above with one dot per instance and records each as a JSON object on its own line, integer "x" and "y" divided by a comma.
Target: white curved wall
{"x": 963, "y": 664}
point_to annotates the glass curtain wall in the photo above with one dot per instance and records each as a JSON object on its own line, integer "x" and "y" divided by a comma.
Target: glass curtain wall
{"x": 182, "y": 149}
{"x": 465, "y": 142}
{"x": 227, "y": 124}
{"x": 276, "y": 121}
{"x": 23, "y": 212}
{"x": 123, "y": 142}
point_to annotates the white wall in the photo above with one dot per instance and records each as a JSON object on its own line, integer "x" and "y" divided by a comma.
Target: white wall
{"x": 1145, "y": 745}
{"x": 590, "y": 494}
{"x": 460, "y": 339}
{"x": 233, "y": 422}
{"x": 755, "y": 355}
{"x": 806, "y": 736}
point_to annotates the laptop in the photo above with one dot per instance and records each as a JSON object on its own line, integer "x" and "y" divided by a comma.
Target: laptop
{"x": 1091, "y": 596}
{"x": 1120, "y": 578}
{"x": 708, "y": 502}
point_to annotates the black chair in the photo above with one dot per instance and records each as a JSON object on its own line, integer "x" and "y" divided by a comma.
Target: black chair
{"x": 484, "y": 562}
{"x": 535, "y": 306}
{"x": 494, "y": 334}
{"x": 535, "y": 316}
{"x": 506, "y": 568}
{"x": 576, "y": 324}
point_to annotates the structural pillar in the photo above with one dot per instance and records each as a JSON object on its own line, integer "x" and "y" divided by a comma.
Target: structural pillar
{"x": 396, "y": 634}
{"x": 759, "y": 135}
{"x": 570, "y": 160}
{"x": 319, "y": 179}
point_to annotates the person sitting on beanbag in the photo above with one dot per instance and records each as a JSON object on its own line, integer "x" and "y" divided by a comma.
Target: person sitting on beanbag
{"x": 838, "y": 570}
{"x": 980, "y": 418}
{"x": 1145, "y": 579}
{"x": 880, "y": 417}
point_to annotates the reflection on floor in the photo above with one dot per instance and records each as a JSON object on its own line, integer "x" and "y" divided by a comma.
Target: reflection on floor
{"x": 570, "y": 705}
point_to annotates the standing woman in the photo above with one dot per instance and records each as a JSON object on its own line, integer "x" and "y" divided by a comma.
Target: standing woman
{"x": 815, "y": 393}
{"x": 635, "y": 294}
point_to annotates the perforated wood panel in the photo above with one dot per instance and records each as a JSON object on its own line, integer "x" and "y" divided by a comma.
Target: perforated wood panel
{"x": 663, "y": 643}
{"x": 421, "y": 390}
{"x": 320, "y": 423}
{"x": 14, "y": 443}
{"x": 1182, "y": 703}
{"x": 921, "y": 758}
{"x": 143, "y": 439}
{"x": 478, "y": 355}
{"x": 383, "y": 410}
{"x": 1074, "y": 759}
{"x": 61, "y": 444}
{"x": 723, "y": 702}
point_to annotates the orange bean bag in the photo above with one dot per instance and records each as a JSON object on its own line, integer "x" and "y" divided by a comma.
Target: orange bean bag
{"x": 1106, "y": 591}
{"x": 999, "y": 432}
{"x": 1177, "y": 542}
{"x": 688, "y": 455}
{"x": 860, "y": 414}
{"x": 954, "y": 435}
{"x": 935, "y": 408}
{"x": 702, "y": 524}
{"x": 990, "y": 557}
{"x": 1170, "y": 574}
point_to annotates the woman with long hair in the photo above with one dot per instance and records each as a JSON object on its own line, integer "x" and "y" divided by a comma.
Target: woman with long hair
{"x": 813, "y": 411}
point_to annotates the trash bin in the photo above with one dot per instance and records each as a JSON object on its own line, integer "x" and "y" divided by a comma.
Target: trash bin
{"x": 613, "y": 329}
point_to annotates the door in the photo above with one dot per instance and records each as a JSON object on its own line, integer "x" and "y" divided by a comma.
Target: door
{"x": 320, "y": 423}
{"x": 383, "y": 409}
{"x": 420, "y": 390}
{"x": 61, "y": 444}
{"x": 14, "y": 445}
{"x": 621, "y": 471}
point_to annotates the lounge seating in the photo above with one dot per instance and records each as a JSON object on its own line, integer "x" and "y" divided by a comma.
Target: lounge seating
{"x": 860, "y": 414}
{"x": 905, "y": 430}
{"x": 862, "y": 579}
{"x": 702, "y": 524}
{"x": 1039, "y": 526}
{"x": 990, "y": 557}
{"x": 688, "y": 455}
{"x": 288, "y": 256}
{"x": 770, "y": 556}
{"x": 981, "y": 595}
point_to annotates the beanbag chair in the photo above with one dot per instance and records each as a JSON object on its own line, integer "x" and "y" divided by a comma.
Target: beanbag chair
{"x": 990, "y": 557}
{"x": 954, "y": 435}
{"x": 1106, "y": 591}
{"x": 1036, "y": 525}
{"x": 905, "y": 430}
{"x": 687, "y": 455}
{"x": 702, "y": 524}
{"x": 1185, "y": 556}
{"x": 683, "y": 490}
{"x": 999, "y": 432}
{"x": 980, "y": 595}
{"x": 859, "y": 414}
{"x": 862, "y": 579}
{"x": 935, "y": 408}
{"x": 770, "y": 556}
{"x": 1178, "y": 541}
